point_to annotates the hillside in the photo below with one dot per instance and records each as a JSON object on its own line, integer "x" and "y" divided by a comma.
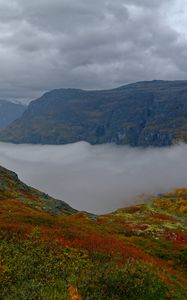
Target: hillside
{"x": 49, "y": 251}
{"x": 140, "y": 114}
{"x": 9, "y": 112}
{"x": 15, "y": 193}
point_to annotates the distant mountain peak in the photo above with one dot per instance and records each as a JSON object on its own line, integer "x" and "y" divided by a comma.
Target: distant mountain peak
{"x": 9, "y": 112}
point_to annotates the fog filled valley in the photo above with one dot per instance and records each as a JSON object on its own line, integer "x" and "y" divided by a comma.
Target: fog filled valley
{"x": 93, "y": 150}
{"x": 98, "y": 179}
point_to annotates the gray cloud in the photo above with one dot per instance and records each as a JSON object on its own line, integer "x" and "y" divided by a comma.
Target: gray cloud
{"x": 89, "y": 44}
{"x": 97, "y": 178}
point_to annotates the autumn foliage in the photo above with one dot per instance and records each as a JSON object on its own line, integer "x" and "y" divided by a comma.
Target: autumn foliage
{"x": 134, "y": 253}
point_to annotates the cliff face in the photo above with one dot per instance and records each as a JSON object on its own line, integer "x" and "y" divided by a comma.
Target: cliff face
{"x": 141, "y": 114}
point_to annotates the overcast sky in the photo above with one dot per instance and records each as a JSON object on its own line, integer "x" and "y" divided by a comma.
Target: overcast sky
{"x": 46, "y": 44}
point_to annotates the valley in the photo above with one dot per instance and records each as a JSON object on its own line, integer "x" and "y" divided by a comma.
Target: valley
{"x": 49, "y": 250}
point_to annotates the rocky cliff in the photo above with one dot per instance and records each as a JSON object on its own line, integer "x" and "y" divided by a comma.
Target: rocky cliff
{"x": 140, "y": 114}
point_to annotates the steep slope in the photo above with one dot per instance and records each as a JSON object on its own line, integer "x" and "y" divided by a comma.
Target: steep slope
{"x": 135, "y": 253}
{"x": 9, "y": 112}
{"x": 141, "y": 114}
{"x": 13, "y": 192}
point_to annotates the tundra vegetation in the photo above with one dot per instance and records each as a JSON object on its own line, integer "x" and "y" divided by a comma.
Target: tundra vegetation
{"x": 50, "y": 251}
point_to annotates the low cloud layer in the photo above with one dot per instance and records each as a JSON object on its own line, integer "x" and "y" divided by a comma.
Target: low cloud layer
{"x": 48, "y": 44}
{"x": 100, "y": 178}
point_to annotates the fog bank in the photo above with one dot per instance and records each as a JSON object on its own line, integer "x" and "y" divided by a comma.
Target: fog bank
{"x": 100, "y": 178}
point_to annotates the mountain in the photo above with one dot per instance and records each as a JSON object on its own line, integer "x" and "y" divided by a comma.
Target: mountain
{"x": 50, "y": 251}
{"x": 9, "y": 112}
{"x": 140, "y": 114}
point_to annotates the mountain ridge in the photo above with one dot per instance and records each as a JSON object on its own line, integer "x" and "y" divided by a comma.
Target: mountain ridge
{"x": 140, "y": 114}
{"x": 10, "y": 111}
{"x": 11, "y": 187}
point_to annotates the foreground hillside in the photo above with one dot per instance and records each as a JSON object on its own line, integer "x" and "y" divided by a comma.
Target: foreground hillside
{"x": 49, "y": 251}
{"x": 140, "y": 114}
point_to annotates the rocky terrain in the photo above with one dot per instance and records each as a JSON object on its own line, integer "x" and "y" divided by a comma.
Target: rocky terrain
{"x": 140, "y": 114}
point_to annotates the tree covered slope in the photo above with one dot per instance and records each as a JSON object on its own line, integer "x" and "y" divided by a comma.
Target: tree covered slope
{"x": 140, "y": 114}
{"x": 50, "y": 251}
